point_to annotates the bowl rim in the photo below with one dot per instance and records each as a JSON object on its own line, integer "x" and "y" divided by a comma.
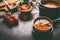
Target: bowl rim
{"x": 41, "y": 3}
{"x": 41, "y": 17}
{"x": 21, "y": 3}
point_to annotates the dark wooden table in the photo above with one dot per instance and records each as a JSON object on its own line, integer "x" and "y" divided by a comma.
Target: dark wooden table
{"x": 23, "y": 31}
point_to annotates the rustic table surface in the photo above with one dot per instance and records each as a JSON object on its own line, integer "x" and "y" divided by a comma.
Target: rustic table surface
{"x": 23, "y": 31}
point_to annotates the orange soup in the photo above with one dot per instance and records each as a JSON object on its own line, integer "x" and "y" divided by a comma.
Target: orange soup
{"x": 26, "y": 8}
{"x": 42, "y": 24}
{"x": 51, "y": 4}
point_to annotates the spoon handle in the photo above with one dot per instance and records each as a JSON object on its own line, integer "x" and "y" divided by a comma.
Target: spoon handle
{"x": 56, "y": 20}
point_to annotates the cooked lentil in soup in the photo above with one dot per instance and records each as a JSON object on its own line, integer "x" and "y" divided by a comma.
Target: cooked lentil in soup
{"x": 51, "y": 4}
{"x": 26, "y": 8}
{"x": 42, "y": 24}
